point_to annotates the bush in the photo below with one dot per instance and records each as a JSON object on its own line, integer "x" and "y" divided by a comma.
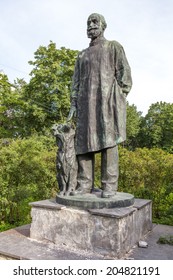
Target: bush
{"x": 147, "y": 173}
{"x": 27, "y": 173}
{"x": 166, "y": 240}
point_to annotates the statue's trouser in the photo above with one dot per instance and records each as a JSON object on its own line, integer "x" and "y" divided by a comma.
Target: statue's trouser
{"x": 109, "y": 170}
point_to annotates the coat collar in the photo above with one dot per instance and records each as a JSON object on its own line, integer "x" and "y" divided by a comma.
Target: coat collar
{"x": 97, "y": 41}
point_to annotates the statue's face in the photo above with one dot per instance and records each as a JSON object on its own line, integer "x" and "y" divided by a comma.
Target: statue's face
{"x": 94, "y": 27}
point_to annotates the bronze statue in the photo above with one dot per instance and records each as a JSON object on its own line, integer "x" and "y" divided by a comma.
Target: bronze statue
{"x": 101, "y": 82}
{"x": 66, "y": 163}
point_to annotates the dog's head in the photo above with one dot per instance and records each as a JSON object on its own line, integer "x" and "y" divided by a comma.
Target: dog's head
{"x": 60, "y": 128}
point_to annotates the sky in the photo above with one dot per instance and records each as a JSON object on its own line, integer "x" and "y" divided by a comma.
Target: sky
{"x": 143, "y": 27}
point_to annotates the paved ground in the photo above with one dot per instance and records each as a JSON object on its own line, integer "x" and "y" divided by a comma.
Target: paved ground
{"x": 16, "y": 244}
{"x": 154, "y": 251}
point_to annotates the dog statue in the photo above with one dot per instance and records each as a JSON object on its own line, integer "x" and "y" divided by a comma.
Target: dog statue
{"x": 66, "y": 162}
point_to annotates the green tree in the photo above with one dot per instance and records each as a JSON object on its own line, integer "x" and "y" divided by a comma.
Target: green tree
{"x": 11, "y": 107}
{"x": 48, "y": 92}
{"x": 134, "y": 119}
{"x": 157, "y": 127}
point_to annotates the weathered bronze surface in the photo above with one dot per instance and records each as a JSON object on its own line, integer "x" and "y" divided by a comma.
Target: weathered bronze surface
{"x": 101, "y": 82}
{"x": 95, "y": 201}
{"x": 66, "y": 162}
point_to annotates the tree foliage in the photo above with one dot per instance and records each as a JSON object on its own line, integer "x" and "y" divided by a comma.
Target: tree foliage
{"x": 27, "y": 173}
{"x": 29, "y": 108}
{"x": 157, "y": 127}
{"x": 11, "y": 107}
{"x": 48, "y": 92}
{"x": 134, "y": 119}
{"x": 147, "y": 173}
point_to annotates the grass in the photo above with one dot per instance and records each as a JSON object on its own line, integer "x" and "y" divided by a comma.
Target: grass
{"x": 166, "y": 240}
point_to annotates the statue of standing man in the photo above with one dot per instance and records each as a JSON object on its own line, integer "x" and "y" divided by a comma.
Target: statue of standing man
{"x": 101, "y": 82}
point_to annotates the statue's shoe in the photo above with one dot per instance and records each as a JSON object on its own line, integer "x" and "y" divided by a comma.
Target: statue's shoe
{"x": 80, "y": 191}
{"x": 108, "y": 194}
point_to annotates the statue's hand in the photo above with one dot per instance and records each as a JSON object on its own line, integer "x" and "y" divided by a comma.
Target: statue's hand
{"x": 72, "y": 113}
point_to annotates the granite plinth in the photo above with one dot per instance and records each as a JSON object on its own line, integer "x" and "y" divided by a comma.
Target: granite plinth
{"x": 109, "y": 232}
{"x": 94, "y": 200}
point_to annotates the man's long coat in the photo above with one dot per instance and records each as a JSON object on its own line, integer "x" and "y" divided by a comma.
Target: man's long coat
{"x": 101, "y": 82}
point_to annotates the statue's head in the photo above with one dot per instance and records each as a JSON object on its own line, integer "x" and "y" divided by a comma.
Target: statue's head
{"x": 96, "y": 25}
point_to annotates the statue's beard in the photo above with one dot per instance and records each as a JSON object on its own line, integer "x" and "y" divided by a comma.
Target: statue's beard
{"x": 94, "y": 33}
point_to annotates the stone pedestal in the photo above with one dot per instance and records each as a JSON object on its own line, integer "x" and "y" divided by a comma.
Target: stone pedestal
{"x": 108, "y": 231}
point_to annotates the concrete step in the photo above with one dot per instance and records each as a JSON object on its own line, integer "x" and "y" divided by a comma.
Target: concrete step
{"x": 16, "y": 244}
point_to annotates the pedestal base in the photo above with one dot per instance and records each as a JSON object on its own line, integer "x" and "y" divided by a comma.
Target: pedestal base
{"x": 94, "y": 200}
{"x": 110, "y": 232}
